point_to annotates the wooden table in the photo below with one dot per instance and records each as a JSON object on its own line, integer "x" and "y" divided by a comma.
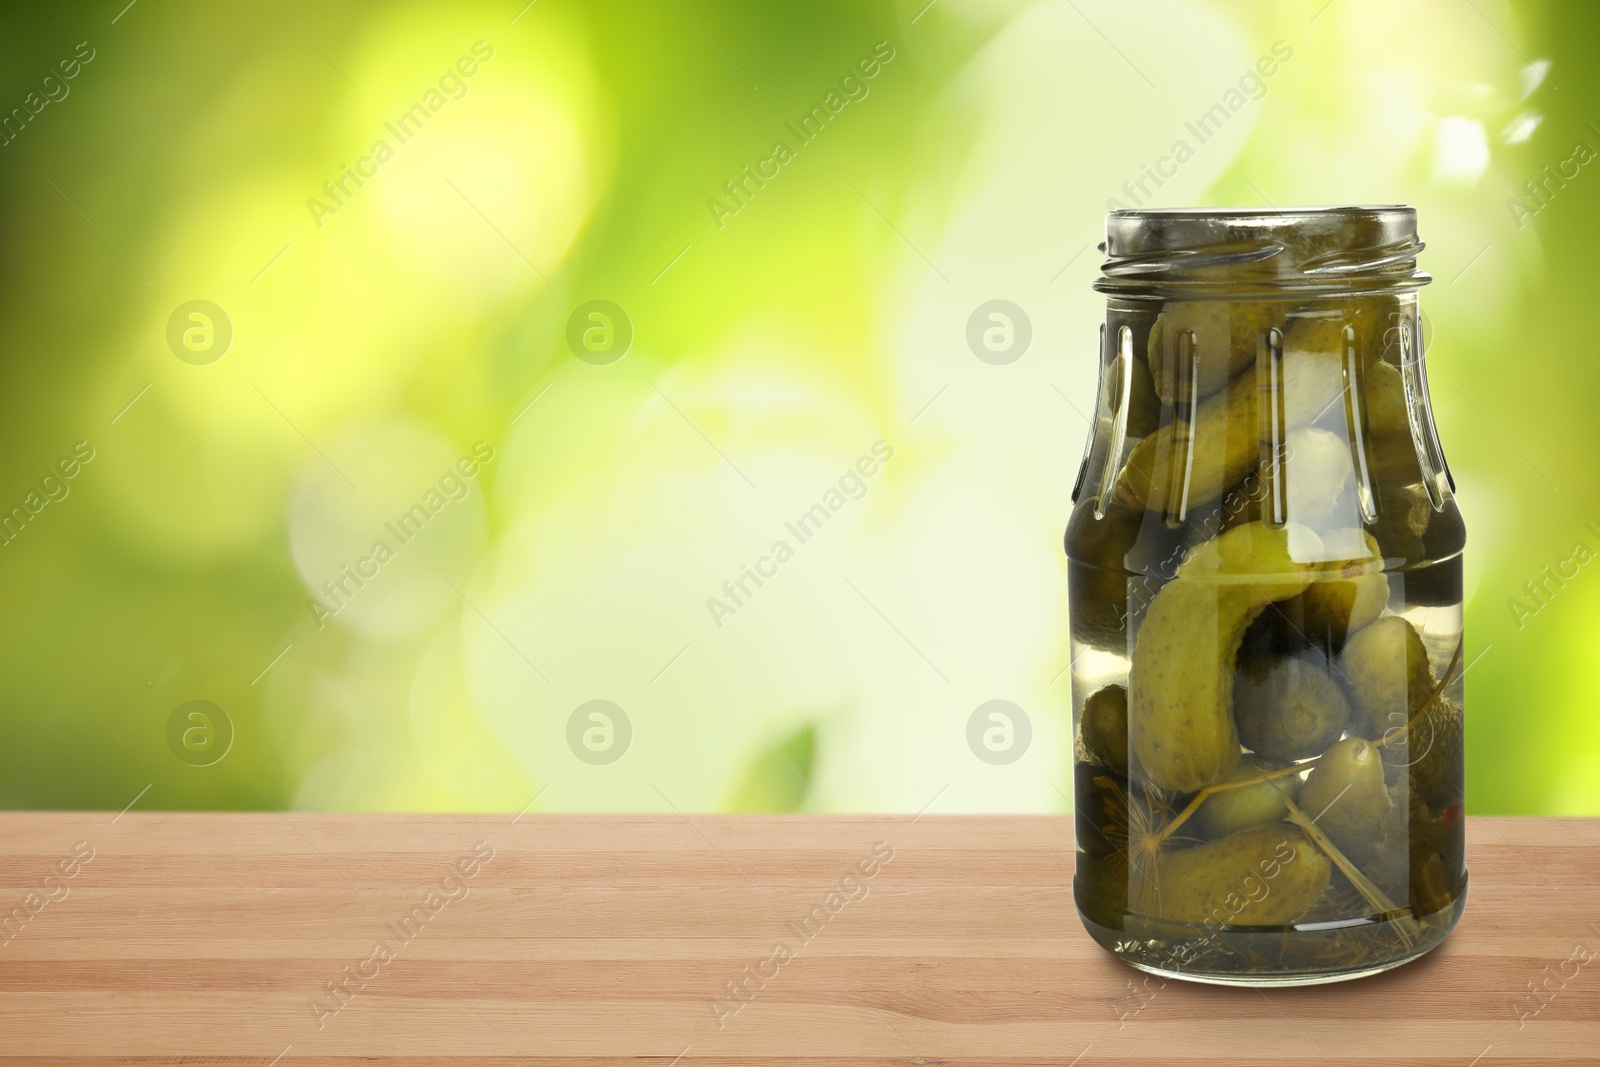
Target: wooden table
{"x": 214, "y": 939}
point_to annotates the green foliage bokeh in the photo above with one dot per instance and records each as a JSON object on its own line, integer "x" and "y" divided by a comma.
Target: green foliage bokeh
{"x": 782, "y": 325}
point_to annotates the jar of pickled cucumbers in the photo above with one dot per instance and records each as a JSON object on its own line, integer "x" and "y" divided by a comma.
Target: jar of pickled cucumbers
{"x": 1264, "y": 580}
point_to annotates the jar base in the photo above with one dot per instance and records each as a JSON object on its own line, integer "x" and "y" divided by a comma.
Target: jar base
{"x": 1155, "y": 956}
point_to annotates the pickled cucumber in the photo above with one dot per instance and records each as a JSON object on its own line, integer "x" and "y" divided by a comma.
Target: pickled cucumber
{"x": 1180, "y": 683}
{"x": 1435, "y": 750}
{"x": 1259, "y": 876}
{"x": 1346, "y": 596}
{"x": 1290, "y": 708}
{"x": 1240, "y": 504}
{"x": 1391, "y": 449}
{"x": 1404, "y": 513}
{"x": 1420, "y": 859}
{"x": 1384, "y": 391}
{"x": 1320, "y": 479}
{"x": 1187, "y": 463}
{"x": 1098, "y": 590}
{"x": 1208, "y": 340}
{"x": 1431, "y": 885}
{"x": 1385, "y": 666}
{"x": 1143, "y": 413}
{"x": 1438, "y": 857}
{"x": 1248, "y": 805}
{"x": 1410, "y": 528}
{"x": 1346, "y": 796}
{"x": 1310, "y": 383}
{"x": 1368, "y": 325}
{"x": 1279, "y": 631}
{"x": 1105, "y": 727}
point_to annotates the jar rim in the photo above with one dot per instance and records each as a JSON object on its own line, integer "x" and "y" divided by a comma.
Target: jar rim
{"x": 1364, "y": 210}
{"x": 1193, "y": 252}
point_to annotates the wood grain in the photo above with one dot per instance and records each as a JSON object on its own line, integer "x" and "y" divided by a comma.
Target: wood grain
{"x": 204, "y": 939}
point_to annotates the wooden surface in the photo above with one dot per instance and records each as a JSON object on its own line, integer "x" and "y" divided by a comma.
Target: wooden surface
{"x": 204, "y": 939}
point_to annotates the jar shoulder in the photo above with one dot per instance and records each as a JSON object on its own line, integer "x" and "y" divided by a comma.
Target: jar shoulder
{"x": 1212, "y": 413}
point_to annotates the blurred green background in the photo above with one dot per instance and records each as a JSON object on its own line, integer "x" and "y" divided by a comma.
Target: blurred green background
{"x": 404, "y": 345}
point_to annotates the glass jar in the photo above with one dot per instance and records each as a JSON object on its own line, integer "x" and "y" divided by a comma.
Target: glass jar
{"x": 1264, "y": 574}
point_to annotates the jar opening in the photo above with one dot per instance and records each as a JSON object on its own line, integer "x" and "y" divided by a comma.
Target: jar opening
{"x": 1199, "y": 253}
